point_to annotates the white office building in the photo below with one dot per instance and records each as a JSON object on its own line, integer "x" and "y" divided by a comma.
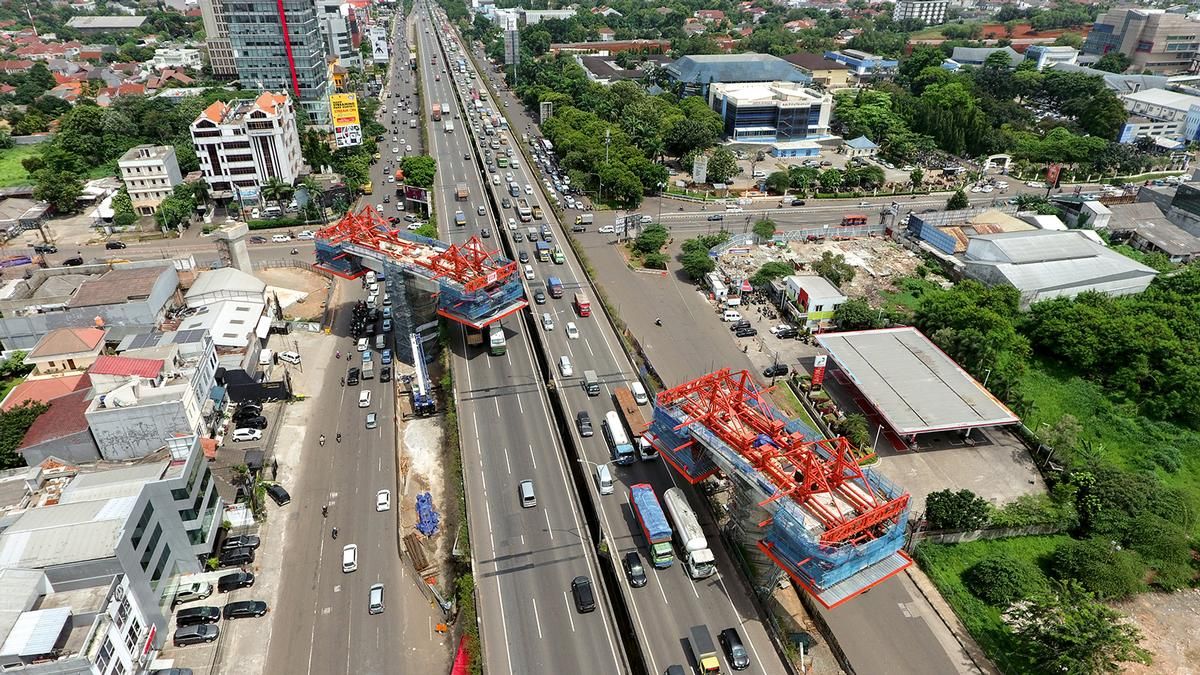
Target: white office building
{"x": 932, "y": 12}
{"x": 172, "y": 57}
{"x": 150, "y": 173}
{"x": 245, "y": 143}
{"x": 336, "y": 18}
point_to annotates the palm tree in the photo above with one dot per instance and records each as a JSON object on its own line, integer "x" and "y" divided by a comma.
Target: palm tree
{"x": 275, "y": 190}
{"x": 200, "y": 191}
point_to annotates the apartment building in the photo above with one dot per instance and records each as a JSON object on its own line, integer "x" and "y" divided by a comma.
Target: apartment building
{"x": 771, "y": 112}
{"x": 246, "y": 142}
{"x": 150, "y": 173}
{"x": 216, "y": 41}
{"x": 339, "y": 27}
{"x": 932, "y": 12}
{"x": 1159, "y": 41}
{"x": 278, "y": 46}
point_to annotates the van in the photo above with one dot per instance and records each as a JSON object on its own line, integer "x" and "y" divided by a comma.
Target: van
{"x": 375, "y": 600}
{"x": 349, "y": 558}
{"x": 266, "y": 357}
{"x": 525, "y": 492}
{"x": 639, "y": 393}
{"x": 591, "y": 383}
{"x": 604, "y": 479}
{"x": 731, "y": 315}
{"x": 371, "y": 277}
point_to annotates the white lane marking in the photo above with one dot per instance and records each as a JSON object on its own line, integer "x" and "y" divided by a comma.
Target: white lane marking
{"x": 537, "y": 619}
{"x": 570, "y": 610}
{"x": 519, "y": 406}
{"x": 661, "y": 591}
{"x": 497, "y": 402}
{"x": 533, "y": 457}
{"x": 506, "y": 462}
{"x": 549, "y": 528}
{"x": 589, "y": 346}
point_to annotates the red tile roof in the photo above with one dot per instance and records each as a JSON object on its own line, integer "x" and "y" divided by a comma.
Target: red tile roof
{"x": 127, "y": 365}
{"x": 64, "y": 418}
{"x": 44, "y": 390}
{"x": 67, "y": 341}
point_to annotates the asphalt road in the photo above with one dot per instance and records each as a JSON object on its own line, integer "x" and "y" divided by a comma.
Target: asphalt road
{"x": 524, "y": 558}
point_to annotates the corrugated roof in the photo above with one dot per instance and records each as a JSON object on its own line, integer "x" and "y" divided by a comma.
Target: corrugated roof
{"x": 861, "y": 143}
{"x": 35, "y": 633}
{"x": 65, "y": 533}
{"x": 1036, "y": 246}
{"x": 225, "y": 279}
{"x": 127, "y": 365}
{"x": 67, "y": 341}
{"x": 117, "y": 286}
{"x": 112, "y": 484}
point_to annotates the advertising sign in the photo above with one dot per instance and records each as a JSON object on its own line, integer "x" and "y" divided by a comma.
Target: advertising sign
{"x": 1052, "y": 172}
{"x": 347, "y": 130}
{"x": 700, "y": 169}
{"x": 416, "y": 194}
{"x": 819, "y": 370}
{"x": 379, "y": 44}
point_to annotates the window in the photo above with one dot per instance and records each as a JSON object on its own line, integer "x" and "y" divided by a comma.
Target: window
{"x": 818, "y": 308}
{"x": 142, "y": 523}
{"x": 123, "y": 611}
{"x": 162, "y": 565}
{"x": 104, "y": 657}
{"x": 149, "y": 552}
{"x": 133, "y": 635}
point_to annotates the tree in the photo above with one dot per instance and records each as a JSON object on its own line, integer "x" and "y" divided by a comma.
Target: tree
{"x": 59, "y": 188}
{"x": 802, "y": 177}
{"x": 961, "y": 510}
{"x": 1114, "y": 61}
{"x": 722, "y": 166}
{"x": 834, "y": 268}
{"x": 855, "y": 314}
{"x": 770, "y": 271}
{"x": 958, "y": 201}
{"x": 831, "y": 180}
{"x": 651, "y": 239}
{"x": 1065, "y": 630}
{"x": 14, "y": 422}
{"x": 686, "y": 135}
{"x": 697, "y": 263}
{"x": 419, "y": 170}
{"x": 1099, "y": 566}
{"x": 123, "y": 213}
{"x": 1001, "y": 579}
{"x": 917, "y": 178}
{"x": 655, "y": 261}
{"x": 765, "y": 229}
{"x": 779, "y": 182}
{"x": 275, "y": 190}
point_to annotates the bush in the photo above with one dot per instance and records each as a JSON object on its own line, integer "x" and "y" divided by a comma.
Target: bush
{"x": 275, "y": 222}
{"x": 655, "y": 261}
{"x": 1001, "y": 579}
{"x": 1164, "y": 546}
{"x": 1100, "y": 567}
{"x": 1039, "y": 509}
{"x": 962, "y": 510}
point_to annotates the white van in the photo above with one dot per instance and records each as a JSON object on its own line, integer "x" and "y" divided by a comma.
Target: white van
{"x": 350, "y": 558}
{"x": 731, "y": 316}
{"x": 370, "y": 277}
{"x": 525, "y": 492}
{"x": 639, "y": 393}
{"x": 266, "y": 357}
{"x": 604, "y": 479}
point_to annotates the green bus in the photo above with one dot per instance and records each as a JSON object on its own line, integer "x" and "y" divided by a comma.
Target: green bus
{"x": 502, "y": 162}
{"x": 496, "y": 340}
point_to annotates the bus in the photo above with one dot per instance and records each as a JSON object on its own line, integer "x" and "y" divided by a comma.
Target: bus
{"x": 854, "y": 219}
{"x": 496, "y": 341}
{"x": 618, "y": 440}
{"x": 367, "y": 188}
{"x": 502, "y": 162}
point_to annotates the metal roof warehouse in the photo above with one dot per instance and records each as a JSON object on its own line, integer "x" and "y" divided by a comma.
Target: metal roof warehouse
{"x": 915, "y": 387}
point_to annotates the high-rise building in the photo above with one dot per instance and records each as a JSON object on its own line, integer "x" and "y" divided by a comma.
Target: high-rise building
{"x": 277, "y": 45}
{"x": 216, "y": 32}
{"x": 245, "y": 143}
{"x": 339, "y": 26}
{"x": 932, "y": 12}
{"x": 1161, "y": 42}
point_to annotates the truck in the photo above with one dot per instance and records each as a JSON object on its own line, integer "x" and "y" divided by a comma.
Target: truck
{"x": 543, "y": 251}
{"x": 631, "y": 414}
{"x": 368, "y": 369}
{"x": 523, "y": 210}
{"x": 554, "y": 285}
{"x": 585, "y": 219}
{"x": 448, "y": 127}
{"x": 460, "y": 218}
{"x": 618, "y": 442}
{"x": 437, "y": 112}
{"x": 693, "y": 547}
{"x": 497, "y": 342}
{"x": 461, "y": 193}
{"x": 703, "y": 651}
{"x": 537, "y": 212}
{"x": 654, "y": 524}
{"x": 582, "y": 305}
{"x": 474, "y": 336}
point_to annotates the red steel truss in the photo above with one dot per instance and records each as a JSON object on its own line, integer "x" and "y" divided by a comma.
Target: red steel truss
{"x": 822, "y": 477}
{"x": 470, "y": 264}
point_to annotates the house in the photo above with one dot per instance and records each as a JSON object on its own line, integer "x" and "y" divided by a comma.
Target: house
{"x": 864, "y": 66}
{"x": 45, "y": 389}
{"x": 859, "y": 147}
{"x": 976, "y": 57}
{"x": 809, "y": 300}
{"x": 13, "y": 66}
{"x": 66, "y": 350}
{"x": 176, "y": 57}
{"x": 799, "y": 25}
{"x": 606, "y": 34}
{"x": 710, "y": 15}
{"x": 824, "y": 72}
{"x": 62, "y": 431}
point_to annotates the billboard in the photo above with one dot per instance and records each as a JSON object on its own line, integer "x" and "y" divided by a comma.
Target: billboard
{"x": 818, "y": 375}
{"x": 347, "y": 130}
{"x": 379, "y": 44}
{"x": 1052, "y": 173}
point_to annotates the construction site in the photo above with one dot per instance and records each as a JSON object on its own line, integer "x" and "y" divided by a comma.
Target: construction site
{"x": 423, "y": 278}
{"x": 801, "y": 504}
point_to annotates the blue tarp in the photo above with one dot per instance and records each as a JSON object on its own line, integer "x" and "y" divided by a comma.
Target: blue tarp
{"x": 427, "y": 518}
{"x": 654, "y": 521}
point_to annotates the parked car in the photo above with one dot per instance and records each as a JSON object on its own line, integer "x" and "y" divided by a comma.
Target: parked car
{"x": 245, "y": 608}
{"x": 240, "y": 541}
{"x": 114, "y": 245}
{"x": 259, "y": 422}
{"x": 197, "y": 615}
{"x": 776, "y": 370}
{"x": 235, "y": 557}
{"x": 746, "y": 332}
{"x": 234, "y": 581}
{"x": 789, "y": 334}
{"x": 192, "y": 592}
{"x": 45, "y": 248}
{"x": 279, "y": 495}
{"x": 194, "y": 635}
{"x": 739, "y": 325}
{"x": 73, "y": 262}
{"x": 242, "y": 435}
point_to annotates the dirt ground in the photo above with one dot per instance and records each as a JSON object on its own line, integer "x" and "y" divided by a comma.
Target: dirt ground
{"x": 1170, "y": 625}
{"x": 309, "y": 291}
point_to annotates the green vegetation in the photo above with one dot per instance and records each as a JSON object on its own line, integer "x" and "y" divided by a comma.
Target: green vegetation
{"x": 695, "y": 259}
{"x": 14, "y": 422}
{"x": 951, "y": 510}
{"x": 11, "y": 171}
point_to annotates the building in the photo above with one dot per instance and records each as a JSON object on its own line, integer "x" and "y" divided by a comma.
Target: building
{"x": 66, "y": 350}
{"x": 864, "y": 66}
{"x": 977, "y": 56}
{"x": 604, "y": 70}
{"x": 931, "y": 12}
{"x": 278, "y": 46}
{"x": 947, "y": 233}
{"x": 810, "y": 301}
{"x": 771, "y": 112}
{"x": 175, "y": 57}
{"x": 105, "y": 24}
{"x": 61, "y": 432}
{"x": 150, "y": 173}
{"x": 1119, "y": 83}
{"x": 232, "y": 306}
{"x": 1161, "y": 113}
{"x": 339, "y": 27}
{"x": 1044, "y": 264}
{"x": 693, "y": 75}
{"x": 532, "y": 16}
{"x": 1162, "y": 42}
{"x": 1046, "y": 56}
{"x": 216, "y": 38}
{"x": 245, "y": 143}
{"x": 823, "y": 72}
{"x": 859, "y": 147}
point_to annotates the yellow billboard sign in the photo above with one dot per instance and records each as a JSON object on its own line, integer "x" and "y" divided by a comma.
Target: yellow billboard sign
{"x": 347, "y": 129}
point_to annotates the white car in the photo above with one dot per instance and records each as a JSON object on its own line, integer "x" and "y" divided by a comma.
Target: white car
{"x": 528, "y": 189}
{"x": 364, "y": 398}
{"x": 565, "y": 367}
{"x": 280, "y": 238}
{"x": 780, "y": 327}
{"x": 606, "y": 229}
{"x": 307, "y": 234}
{"x": 383, "y": 500}
{"x": 412, "y": 227}
{"x": 395, "y": 151}
{"x": 512, "y": 224}
{"x": 240, "y": 435}
{"x": 572, "y": 330}
{"x": 547, "y": 321}
{"x": 408, "y": 148}
{"x": 379, "y": 208}
{"x": 391, "y": 179}
{"x": 732, "y": 208}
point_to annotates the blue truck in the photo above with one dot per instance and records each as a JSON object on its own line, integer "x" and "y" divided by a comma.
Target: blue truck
{"x": 654, "y": 524}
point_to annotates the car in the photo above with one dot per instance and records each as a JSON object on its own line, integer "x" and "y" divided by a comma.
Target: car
{"x": 375, "y": 599}
{"x": 259, "y": 422}
{"x": 73, "y": 262}
{"x": 572, "y": 331}
{"x": 278, "y": 495}
{"x": 585, "y": 596}
{"x": 372, "y": 420}
{"x": 789, "y": 334}
{"x": 385, "y": 374}
{"x": 716, "y": 216}
{"x": 257, "y": 239}
{"x": 774, "y": 330}
{"x": 565, "y": 367}
{"x": 583, "y": 421}
{"x": 242, "y": 435}
{"x": 309, "y": 235}
{"x": 235, "y": 557}
{"x": 480, "y": 210}
{"x": 383, "y": 500}
{"x": 539, "y": 297}
{"x": 506, "y": 203}
{"x": 243, "y": 609}
{"x": 240, "y": 541}
{"x": 114, "y": 245}
{"x": 466, "y": 155}
{"x": 523, "y": 256}
{"x": 485, "y": 233}
{"x": 776, "y": 370}
{"x": 45, "y": 248}
{"x": 194, "y": 635}
{"x": 528, "y": 189}
{"x": 410, "y": 218}
{"x": 395, "y": 151}
{"x": 634, "y": 570}
{"x": 738, "y": 325}
{"x": 733, "y": 208}
{"x": 352, "y": 376}
{"x": 192, "y": 592}
{"x": 606, "y": 229}
{"x": 364, "y": 398}
{"x": 280, "y": 238}
{"x": 235, "y": 580}
{"x": 172, "y": 671}
{"x": 735, "y": 652}
{"x": 746, "y": 332}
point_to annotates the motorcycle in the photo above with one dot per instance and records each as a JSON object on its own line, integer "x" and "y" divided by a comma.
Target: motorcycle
{"x": 335, "y": 533}
{"x": 295, "y": 251}
{"x": 321, "y": 440}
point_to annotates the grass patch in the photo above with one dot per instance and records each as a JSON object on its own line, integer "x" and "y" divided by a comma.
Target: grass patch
{"x": 11, "y": 171}
{"x": 1114, "y": 429}
{"x": 908, "y": 294}
{"x": 945, "y": 564}
{"x": 786, "y": 399}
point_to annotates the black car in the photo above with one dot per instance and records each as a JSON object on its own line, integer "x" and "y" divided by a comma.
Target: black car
{"x": 776, "y": 370}
{"x": 788, "y": 334}
{"x": 113, "y": 245}
{"x": 259, "y": 422}
{"x": 506, "y": 203}
{"x": 485, "y": 233}
{"x": 234, "y": 581}
{"x": 634, "y": 569}
{"x": 735, "y": 652}
{"x": 797, "y": 202}
{"x": 385, "y": 374}
{"x": 466, "y": 155}
{"x": 245, "y": 608}
{"x": 194, "y": 635}
{"x": 716, "y": 216}
{"x": 278, "y": 494}
{"x": 746, "y": 332}
{"x": 523, "y": 256}
{"x": 172, "y": 671}
{"x": 585, "y": 596}
{"x": 244, "y": 415}
{"x": 73, "y": 262}
{"x": 45, "y": 248}
{"x": 739, "y": 325}
{"x": 237, "y": 556}
{"x": 539, "y": 297}
{"x": 197, "y": 615}
{"x": 240, "y": 541}
{"x": 584, "y": 421}
{"x": 256, "y": 239}
{"x": 352, "y": 377}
